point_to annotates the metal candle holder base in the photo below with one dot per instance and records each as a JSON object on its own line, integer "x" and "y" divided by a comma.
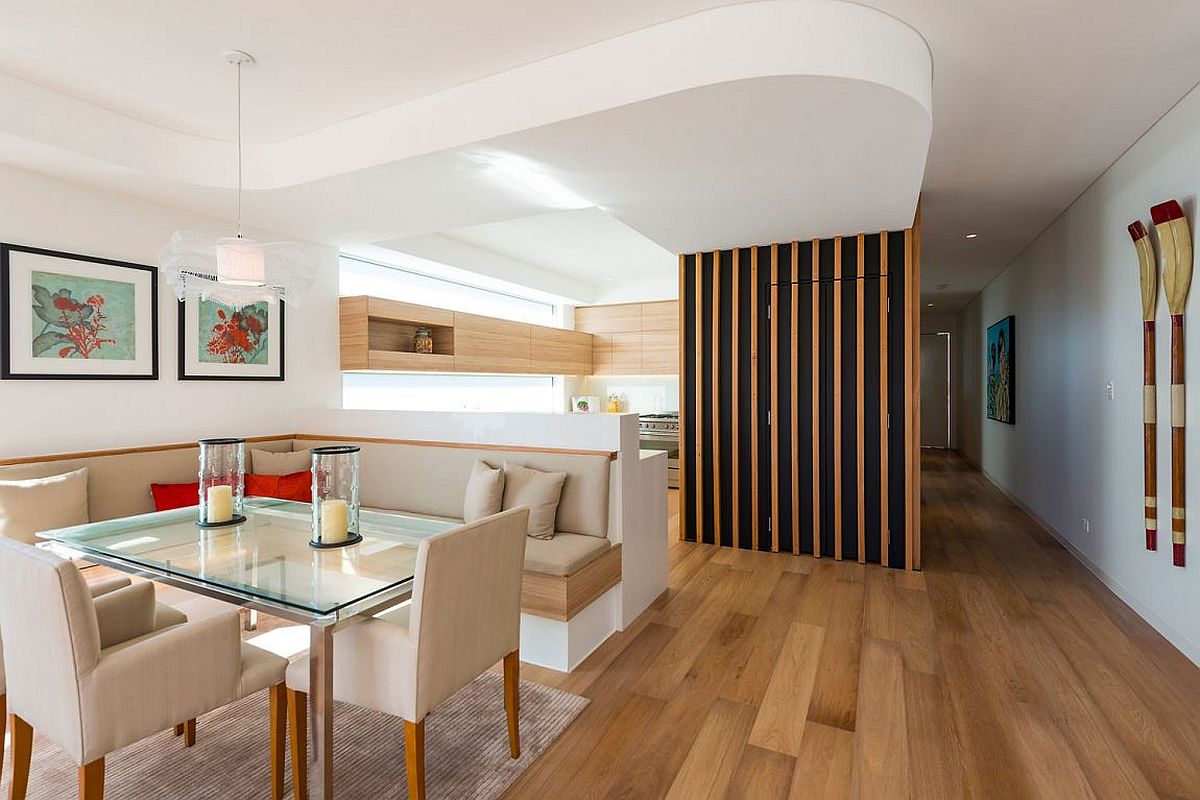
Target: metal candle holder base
{"x": 237, "y": 519}
{"x": 352, "y": 538}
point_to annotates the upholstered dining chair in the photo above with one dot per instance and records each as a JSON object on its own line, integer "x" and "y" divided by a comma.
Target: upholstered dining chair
{"x": 165, "y": 617}
{"x": 94, "y": 675}
{"x": 465, "y": 616}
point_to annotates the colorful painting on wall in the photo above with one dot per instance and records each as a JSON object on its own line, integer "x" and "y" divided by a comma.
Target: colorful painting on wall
{"x": 73, "y": 316}
{"x": 1001, "y": 372}
{"x": 222, "y": 341}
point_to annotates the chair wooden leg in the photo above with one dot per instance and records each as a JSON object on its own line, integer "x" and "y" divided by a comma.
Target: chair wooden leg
{"x": 91, "y": 780}
{"x": 179, "y": 729}
{"x": 22, "y": 754}
{"x": 278, "y": 705}
{"x": 189, "y": 733}
{"x": 512, "y": 701}
{"x": 297, "y": 706}
{"x": 3, "y": 728}
{"x": 414, "y": 756}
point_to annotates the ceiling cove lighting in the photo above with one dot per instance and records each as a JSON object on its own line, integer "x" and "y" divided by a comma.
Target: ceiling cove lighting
{"x": 515, "y": 171}
{"x": 234, "y": 269}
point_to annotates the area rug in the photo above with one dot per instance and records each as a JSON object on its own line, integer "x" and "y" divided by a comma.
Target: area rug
{"x": 466, "y": 751}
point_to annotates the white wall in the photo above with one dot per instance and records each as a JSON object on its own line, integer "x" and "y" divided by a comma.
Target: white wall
{"x": 1073, "y": 453}
{"x": 56, "y": 416}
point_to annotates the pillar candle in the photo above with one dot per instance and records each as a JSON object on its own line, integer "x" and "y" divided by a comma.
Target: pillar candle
{"x": 220, "y": 504}
{"x": 335, "y": 521}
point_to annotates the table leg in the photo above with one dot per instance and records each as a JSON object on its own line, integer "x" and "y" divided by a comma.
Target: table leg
{"x": 320, "y": 683}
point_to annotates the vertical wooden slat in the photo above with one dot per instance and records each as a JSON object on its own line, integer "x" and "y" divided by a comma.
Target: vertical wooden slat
{"x": 816, "y": 396}
{"x": 795, "y": 426}
{"x": 683, "y": 491}
{"x": 754, "y": 394}
{"x": 859, "y": 405}
{"x": 735, "y": 362}
{"x": 837, "y": 398}
{"x": 884, "y": 535}
{"x": 716, "y": 395}
{"x": 912, "y": 353}
{"x": 774, "y": 418}
{"x": 699, "y": 434}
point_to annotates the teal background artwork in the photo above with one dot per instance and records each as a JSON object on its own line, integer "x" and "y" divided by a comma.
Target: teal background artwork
{"x": 1001, "y": 372}
{"x": 233, "y": 334}
{"x": 82, "y": 318}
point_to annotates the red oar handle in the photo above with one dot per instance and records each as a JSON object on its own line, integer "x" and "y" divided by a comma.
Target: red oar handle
{"x": 1150, "y": 415}
{"x": 1178, "y": 418}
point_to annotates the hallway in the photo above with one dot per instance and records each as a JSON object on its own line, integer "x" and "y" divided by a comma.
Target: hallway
{"x": 1003, "y": 670}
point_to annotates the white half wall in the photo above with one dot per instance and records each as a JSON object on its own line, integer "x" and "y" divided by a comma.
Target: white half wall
{"x": 1075, "y": 454}
{"x": 38, "y": 417}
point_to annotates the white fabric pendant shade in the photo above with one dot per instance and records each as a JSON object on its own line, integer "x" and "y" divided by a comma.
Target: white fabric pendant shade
{"x": 236, "y": 270}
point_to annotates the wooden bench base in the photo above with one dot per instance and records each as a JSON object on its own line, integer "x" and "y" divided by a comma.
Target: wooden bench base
{"x": 562, "y": 597}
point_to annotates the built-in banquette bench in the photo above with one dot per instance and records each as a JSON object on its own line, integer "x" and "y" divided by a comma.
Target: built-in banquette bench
{"x": 563, "y": 575}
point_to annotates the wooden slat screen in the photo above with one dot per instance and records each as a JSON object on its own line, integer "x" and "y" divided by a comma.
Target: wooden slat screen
{"x": 798, "y": 374}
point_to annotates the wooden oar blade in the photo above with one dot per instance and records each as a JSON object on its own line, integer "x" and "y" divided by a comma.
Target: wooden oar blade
{"x": 1175, "y": 246}
{"x": 1147, "y": 269}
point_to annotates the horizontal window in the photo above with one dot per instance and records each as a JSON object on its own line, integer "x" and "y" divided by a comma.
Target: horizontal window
{"x": 448, "y": 392}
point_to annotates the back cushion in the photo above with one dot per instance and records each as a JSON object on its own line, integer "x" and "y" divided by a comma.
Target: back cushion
{"x": 42, "y": 504}
{"x": 433, "y": 480}
{"x": 297, "y": 486}
{"x": 264, "y": 462}
{"x": 174, "y": 495}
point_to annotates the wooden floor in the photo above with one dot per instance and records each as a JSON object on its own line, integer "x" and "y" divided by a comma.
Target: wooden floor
{"x": 1003, "y": 670}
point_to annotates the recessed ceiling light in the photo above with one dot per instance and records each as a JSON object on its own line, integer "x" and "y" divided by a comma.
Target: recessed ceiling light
{"x": 972, "y": 235}
{"x": 929, "y": 305}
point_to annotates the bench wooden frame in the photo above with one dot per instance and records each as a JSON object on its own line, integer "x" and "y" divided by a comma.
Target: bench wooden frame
{"x": 561, "y": 597}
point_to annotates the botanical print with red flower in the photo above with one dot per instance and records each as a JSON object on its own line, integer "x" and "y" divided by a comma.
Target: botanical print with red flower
{"x": 82, "y": 318}
{"x": 233, "y": 334}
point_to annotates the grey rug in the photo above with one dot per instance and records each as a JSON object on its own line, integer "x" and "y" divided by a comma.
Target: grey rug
{"x": 466, "y": 751}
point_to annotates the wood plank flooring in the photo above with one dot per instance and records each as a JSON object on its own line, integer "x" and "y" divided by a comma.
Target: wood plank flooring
{"x": 1003, "y": 670}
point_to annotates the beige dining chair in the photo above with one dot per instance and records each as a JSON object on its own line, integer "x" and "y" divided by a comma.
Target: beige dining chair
{"x": 465, "y": 616}
{"x": 165, "y": 617}
{"x": 94, "y": 675}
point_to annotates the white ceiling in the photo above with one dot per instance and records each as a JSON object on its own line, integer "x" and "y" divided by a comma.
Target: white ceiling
{"x": 365, "y": 131}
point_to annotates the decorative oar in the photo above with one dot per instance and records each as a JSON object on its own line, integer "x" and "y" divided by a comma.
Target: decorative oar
{"x": 1175, "y": 248}
{"x": 1148, "y": 272}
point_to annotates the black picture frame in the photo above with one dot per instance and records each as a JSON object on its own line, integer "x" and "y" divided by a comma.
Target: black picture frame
{"x": 182, "y": 351}
{"x": 6, "y": 333}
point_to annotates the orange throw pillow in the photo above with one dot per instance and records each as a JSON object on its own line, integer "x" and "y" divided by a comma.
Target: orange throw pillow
{"x": 297, "y": 486}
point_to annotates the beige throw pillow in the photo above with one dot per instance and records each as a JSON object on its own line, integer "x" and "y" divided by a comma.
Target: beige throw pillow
{"x": 30, "y": 506}
{"x": 485, "y": 492}
{"x": 536, "y": 490}
{"x": 264, "y": 462}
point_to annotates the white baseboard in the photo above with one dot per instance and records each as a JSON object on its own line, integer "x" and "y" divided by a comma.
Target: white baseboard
{"x": 1190, "y": 649}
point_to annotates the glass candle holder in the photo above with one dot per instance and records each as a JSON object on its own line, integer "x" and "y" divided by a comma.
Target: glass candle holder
{"x": 222, "y": 482}
{"x": 335, "y": 496}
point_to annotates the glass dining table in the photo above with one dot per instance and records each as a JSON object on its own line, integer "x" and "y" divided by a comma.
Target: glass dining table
{"x": 266, "y": 564}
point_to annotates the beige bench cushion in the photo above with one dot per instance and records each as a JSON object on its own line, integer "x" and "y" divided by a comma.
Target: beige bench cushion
{"x": 30, "y": 506}
{"x": 565, "y": 554}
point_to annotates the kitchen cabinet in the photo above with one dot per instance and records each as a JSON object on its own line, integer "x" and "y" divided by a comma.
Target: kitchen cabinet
{"x": 632, "y": 338}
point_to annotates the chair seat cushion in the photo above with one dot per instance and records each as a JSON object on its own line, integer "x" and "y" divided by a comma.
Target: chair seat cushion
{"x": 565, "y": 554}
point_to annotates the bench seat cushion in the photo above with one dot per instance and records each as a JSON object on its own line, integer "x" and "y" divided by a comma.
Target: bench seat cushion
{"x": 565, "y": 554}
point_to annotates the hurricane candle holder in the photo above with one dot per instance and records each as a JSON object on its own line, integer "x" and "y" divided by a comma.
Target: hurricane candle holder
{"x": 222, "y": 482}
{"x": 335, "y": 496}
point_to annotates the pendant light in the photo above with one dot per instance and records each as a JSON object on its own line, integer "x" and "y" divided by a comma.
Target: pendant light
{"x": 234, "y": 269}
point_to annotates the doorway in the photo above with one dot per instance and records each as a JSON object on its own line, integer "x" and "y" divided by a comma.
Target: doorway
{"x": 935, "y": 390}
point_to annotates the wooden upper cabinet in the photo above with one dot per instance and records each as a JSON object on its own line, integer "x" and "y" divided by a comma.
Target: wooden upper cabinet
{"x": 557, "y": 351}
{"x": 609, "y": 319}
{"x": 486, "y": 344}
{"x": 633, "y": 338}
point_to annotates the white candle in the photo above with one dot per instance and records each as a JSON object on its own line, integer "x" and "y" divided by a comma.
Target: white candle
{"x": 335, "y": 521}
{"x": 220, "y": 504}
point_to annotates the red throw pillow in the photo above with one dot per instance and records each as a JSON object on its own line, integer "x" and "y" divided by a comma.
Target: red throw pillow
{"x": 175, "y": 495}
{"x": 297, "y": 486}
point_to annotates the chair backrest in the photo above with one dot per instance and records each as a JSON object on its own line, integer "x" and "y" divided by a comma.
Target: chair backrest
{"x": 466, "y": 612}
{"x": 51, "y": 639}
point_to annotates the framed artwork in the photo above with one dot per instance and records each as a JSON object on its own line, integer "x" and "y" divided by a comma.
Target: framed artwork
{"x": 74, "y": 317}
{"x": 230, "y": 342}
{"x": 1001, "y": 372}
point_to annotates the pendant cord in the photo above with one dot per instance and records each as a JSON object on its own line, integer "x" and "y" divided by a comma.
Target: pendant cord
{"x": 239, "y": 149}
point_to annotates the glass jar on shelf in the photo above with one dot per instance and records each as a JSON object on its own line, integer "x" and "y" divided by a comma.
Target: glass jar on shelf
{"x": 423, "y": 341}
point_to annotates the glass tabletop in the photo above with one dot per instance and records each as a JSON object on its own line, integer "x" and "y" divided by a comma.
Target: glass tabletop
{"x": 265, "y": 560}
